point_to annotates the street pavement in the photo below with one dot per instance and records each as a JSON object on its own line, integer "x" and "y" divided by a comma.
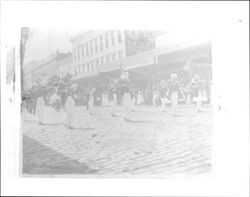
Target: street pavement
{"x": 150, "y": 144}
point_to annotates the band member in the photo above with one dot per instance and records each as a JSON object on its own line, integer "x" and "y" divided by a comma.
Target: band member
{"x": 69, "y": 107}
{"x": 126, "y": 94}
{"x": 140, "y": 98}
{"x": 91, "y": 100}
{"x": 113, "y": 96}
{"x": 105, "y": 100}
{"x": 40, "y": 103}
{"x": 163, "y": 91}
{"x": 174, "y": 84}
{"x": 56, "y": 101}
{"x": 197, "y": 89}
{"x": 66, "y": 103}
{"x": 155, "y": 97}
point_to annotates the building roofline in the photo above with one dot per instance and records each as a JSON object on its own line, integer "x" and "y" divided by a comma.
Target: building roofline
{"x": 79, "y": 35}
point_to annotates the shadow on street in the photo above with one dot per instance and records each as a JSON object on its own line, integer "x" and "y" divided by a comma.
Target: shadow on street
{"x": 39, "y": 159}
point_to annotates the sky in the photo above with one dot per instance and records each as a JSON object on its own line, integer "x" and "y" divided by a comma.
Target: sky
{"x": 44, "y": 42}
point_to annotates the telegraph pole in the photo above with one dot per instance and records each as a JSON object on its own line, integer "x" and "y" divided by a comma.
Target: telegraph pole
{"x": 24, "y": 37}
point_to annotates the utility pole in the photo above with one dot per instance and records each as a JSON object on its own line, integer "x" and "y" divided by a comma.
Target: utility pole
{"x": 24, "y": 37}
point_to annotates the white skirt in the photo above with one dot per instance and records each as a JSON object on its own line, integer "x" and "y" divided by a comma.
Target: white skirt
{"x": 40, "y": 109}
{"x": 126, "y": 100}
{"x": 68, "y": 115}
{"x": 174, "y": 99}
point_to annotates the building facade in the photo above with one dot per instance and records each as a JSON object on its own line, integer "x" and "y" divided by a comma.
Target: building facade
{"x": 45, "y": 69}
{"x": 97, "y": 52}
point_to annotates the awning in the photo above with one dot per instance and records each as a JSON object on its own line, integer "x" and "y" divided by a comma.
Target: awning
{"x": 201, "y": 53}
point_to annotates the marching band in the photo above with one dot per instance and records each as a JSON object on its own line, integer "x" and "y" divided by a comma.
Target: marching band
{"x": 118, "y": 92}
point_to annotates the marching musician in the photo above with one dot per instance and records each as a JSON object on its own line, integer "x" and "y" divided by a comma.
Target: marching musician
{"x": 197, "y": 87}
{"x": 174, "y": 84}
{"x": 91, "y": 100}
{"x": 124, "y": 88}
{"x": 39, "y": 94}
{"x": 113, "y": 95}
{"x": 163, "y": 91}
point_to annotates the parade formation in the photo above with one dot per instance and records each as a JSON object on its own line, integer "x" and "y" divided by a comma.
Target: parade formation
{"x": 63, "y": 95}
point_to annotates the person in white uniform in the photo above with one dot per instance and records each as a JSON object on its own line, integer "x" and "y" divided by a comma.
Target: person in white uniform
{"x": 113, "y": 96}
{"x": 197, "y": 89}
{"x": 174, "y": 88}
{"x": 126, "y": 95}
{"x": 163, "y": 90}
{"x": 69, "y": 109}
{"x": 91, "y": 101}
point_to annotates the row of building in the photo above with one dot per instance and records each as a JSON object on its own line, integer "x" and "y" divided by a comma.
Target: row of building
{"x": 148, "y": 56}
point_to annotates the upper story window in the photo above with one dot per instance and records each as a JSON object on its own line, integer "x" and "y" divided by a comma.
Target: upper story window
{"x": 91, "y": 47}
{"x": 101, "y": 42}
{"x": 73, "y": 54}
{"x": 88, "y": 66}
{"x": 107, "y": 40}
{"x": 92, "y": 65}
{"x": 119, "y": 36}
{"x": 82, "y": 51}
{"x": 107, "y": 58}
{"x": 113, "y": 57}
{"x": 112, "y": 37}
{"x": 78, "y": 50}
{"x": 101, "y": 60}
{"x": 87, "y": 49}
{"x": 120, "y": 54}
{"x": 96, "y": 46}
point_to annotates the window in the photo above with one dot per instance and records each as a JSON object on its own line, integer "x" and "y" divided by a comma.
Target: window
{"x": 76, "y": 70}
{"x": 101, "y": 59}
{"x": 87, "y": 68}
{"x": 112, "y": 38}
{"x": 119, "y": 36}
{"x": 78, "y": 50}
{"x": 120, "y": 54}
{"x": 82, "y": 51}
{"x": 96, "y": 47}
{"x": 97, "y": 62}
{"x": 74, "y": 54}
{"x": 91, "y": 47}
{"x": 79, "y": 69}
{"x": 106, "y": 40}
{"x": 107, "y": 58}
{"x": 113, "y": 57}
{"x": 87, "y": 49}
{"x": 101, "y": 43}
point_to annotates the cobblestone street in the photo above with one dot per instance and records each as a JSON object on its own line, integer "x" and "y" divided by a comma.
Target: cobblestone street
{"x": 153, "y": 143}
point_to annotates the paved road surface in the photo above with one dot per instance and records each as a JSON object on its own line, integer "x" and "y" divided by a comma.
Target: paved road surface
{"x": 154, "y": 143}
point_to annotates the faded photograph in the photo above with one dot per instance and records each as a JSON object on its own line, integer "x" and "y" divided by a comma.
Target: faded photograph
{"x": 115, "y": 103}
